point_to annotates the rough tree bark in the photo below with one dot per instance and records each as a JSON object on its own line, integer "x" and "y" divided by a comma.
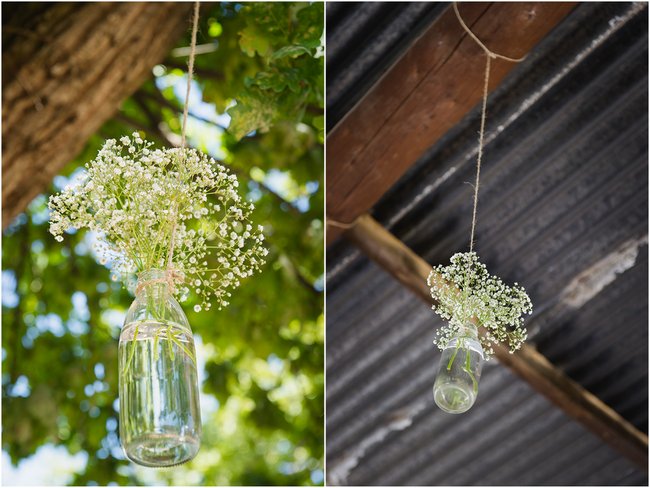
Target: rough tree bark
{"x": 67, "y": 67}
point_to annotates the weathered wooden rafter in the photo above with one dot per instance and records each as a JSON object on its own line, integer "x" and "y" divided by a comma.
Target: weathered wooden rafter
{"x": 430, "y": 89}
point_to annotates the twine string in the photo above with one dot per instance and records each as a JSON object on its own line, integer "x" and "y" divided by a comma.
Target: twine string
{"x": 479, "y": 156}
{"x": 172, "y": 277}
{"x": 190, "y": 71}
{"x": 486, "y": 80}
{"x": 142, "y": 285}
{"x": 490, "y": 53}
{"x": 341, "y": 225}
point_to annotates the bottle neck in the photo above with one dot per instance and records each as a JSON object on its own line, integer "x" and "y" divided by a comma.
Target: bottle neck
{"x": 152, "y": 282}
{"x": 469, "y": 331}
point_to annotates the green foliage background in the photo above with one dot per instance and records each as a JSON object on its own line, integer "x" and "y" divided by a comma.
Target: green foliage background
{"x": 263, "y": 356}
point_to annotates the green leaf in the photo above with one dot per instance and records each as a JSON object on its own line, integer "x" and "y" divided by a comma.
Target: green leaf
{"x": 252, "y": 40}
{"x": 290, "y": 52}
{"x": 319, "y": 122}
{"x": 278, "y": 80}
{"x": 310, "y": 25}
{"x": 252, "y": 112}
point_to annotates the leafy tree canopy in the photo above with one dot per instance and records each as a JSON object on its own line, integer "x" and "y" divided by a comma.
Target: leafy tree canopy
{"x": 257, "y": 105}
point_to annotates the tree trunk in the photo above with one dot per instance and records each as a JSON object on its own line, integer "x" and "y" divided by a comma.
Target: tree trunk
{"x": 67, "y": 67}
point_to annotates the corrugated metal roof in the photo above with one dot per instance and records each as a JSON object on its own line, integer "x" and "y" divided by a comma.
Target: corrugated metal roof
{"x": 562, "y": 210}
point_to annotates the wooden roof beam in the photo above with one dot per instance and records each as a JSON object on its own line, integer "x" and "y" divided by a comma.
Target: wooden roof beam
{"x": 430, "y": 89}
{"x": 411, "y": 270}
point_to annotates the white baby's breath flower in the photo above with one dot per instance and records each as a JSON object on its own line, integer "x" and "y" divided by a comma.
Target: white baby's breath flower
{"x": 464, "y": 291}
{"x": 137, "y": 197}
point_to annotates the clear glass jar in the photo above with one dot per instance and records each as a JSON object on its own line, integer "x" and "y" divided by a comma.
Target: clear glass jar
{"x": 456, "y": 385}
{"x": 160, "y": 420}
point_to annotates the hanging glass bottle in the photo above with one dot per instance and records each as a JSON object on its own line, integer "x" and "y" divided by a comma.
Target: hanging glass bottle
{"x": 456, "y": 385}
{"x": 160, "y": 421}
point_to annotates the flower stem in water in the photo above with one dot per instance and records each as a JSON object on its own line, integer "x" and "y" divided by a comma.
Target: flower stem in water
{"x": 135, "y": 338}
{"x": 169, "y": 342}
{"x": 468, "y": 370}
{"x": 453, "y": 357}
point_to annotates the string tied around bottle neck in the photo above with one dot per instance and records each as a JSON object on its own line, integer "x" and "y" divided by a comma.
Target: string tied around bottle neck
{"x": 170, "y": 277}
{"x": 490, "y": 55}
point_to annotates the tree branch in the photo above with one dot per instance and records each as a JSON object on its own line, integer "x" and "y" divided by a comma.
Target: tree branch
{"x": 150, "y": 129}
{"x": 302, "y": 279}
{"x": 201, "y": 72}
{"x": 155, "y": 121}
{"x": 159, "y": 98}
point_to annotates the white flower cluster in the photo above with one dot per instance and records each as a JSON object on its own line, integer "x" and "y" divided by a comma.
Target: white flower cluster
{"x": 466, "y": 292}
{"x": 140, "y": 199}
